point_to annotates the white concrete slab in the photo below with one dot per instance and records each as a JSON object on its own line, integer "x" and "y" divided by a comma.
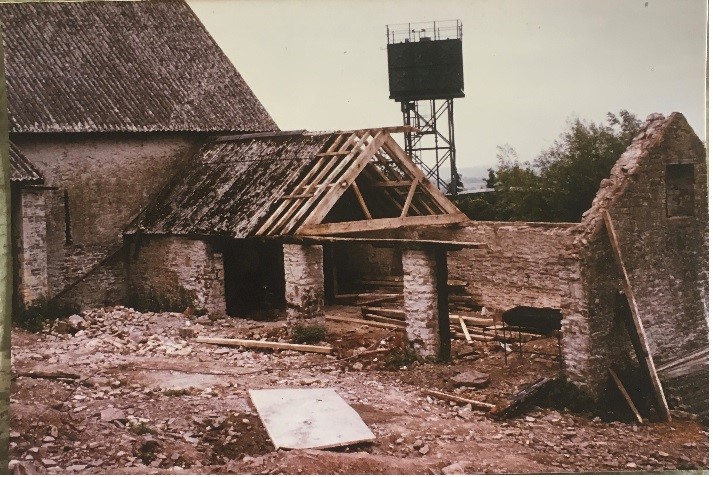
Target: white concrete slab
{"x": 310, "y": 418}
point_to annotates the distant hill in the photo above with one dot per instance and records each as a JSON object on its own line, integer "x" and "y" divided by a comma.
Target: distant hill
{"x": 473, "y": 177}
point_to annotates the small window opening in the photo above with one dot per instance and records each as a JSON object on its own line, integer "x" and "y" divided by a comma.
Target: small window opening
{"x": 679, "y": 190}
{"x": 67, "y": 221}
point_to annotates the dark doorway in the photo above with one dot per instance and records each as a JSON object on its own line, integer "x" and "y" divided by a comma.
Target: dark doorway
{"x": 254, "y": 279}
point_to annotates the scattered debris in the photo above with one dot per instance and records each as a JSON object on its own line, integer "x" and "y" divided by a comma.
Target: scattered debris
{"x": 265, "y": 345}
{"x": 472, "y": 378}
{"x": 522, "y": 399}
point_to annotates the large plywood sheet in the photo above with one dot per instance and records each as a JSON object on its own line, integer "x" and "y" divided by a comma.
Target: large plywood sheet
{"x": 311, "y": 418}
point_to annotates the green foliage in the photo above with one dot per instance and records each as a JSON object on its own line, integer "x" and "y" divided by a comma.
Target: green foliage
{"x": 400, "y": 356}
{"x": 141, "y": 428}
{"x": 560, "y": 183}
{"x": 308, "y": 334}
{"x": 455, "y": 188}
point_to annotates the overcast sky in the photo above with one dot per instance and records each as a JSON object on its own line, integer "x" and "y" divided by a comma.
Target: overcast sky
{"x": 529, "y": 65}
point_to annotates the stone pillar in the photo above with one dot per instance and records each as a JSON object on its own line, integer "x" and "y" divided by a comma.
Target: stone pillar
{"x": 304, "y": 283}
{"x": 32, "y": 259}
{"x": 421, "y": 301}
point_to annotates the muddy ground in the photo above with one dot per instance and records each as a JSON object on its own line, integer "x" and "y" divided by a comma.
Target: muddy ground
{"x": 139, "y": 398}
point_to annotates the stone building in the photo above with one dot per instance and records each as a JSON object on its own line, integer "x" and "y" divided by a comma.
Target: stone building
{"x": 146, "y": 172}
{"x": 107, "y": 100}
{"x": 657, "y": 198}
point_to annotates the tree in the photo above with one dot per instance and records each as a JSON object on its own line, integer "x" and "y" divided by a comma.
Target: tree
{"x": 458, "y": 186}
{"x": 561, "y": 182}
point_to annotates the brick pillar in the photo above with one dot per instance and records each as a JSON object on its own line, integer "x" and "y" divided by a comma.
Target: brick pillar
{"x": 421, "y": 300}
{"x": 32, "y": 260}
{"x": 304, "y": 283}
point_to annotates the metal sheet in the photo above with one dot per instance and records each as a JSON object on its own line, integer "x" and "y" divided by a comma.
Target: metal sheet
{"x": 312, "y": 418}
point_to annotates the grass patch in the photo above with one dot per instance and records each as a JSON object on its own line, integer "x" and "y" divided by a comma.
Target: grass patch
{"x": 308, "y": 334}
{"x": 400, "y": 356}
{"x": 142, "y": 428}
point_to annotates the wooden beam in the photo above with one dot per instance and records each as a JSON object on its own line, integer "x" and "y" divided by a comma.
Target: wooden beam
{"x": 296, "y": 196}
{"x": 345, "y": 179}
{"x": 285, "y": 208}
{"x": 360, "y": 198}
{"x": 624, "y": 393}
{"x": 381, "y": 319}
{"x": 465, "y": 330}
{"x": 409, "y": 198}
{"x": 386, "y": 242}
{"x": 483, "y": 406}
{"x": 391, "y": 184}
{"x": 638, "y": 326}
{"x": 380, "y": 224}
{"x": 404, "y": 160}
{"x": 265, "y": 345}
{"x": 357, "y": 321}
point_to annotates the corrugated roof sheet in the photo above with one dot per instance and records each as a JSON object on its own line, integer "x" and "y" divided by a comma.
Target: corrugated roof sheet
{"x": 120, "y": 66}
{"x": 229, "y": 188}
{"x": 22, "y": 170}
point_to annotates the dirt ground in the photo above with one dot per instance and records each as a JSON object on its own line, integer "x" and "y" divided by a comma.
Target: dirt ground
{"x": 148, "y": 401}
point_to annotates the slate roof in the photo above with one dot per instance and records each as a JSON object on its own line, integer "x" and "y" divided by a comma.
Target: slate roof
{"x": 22, "y": 170}
{"x": 231, "y": 184}
{"x": 133, "y": 66}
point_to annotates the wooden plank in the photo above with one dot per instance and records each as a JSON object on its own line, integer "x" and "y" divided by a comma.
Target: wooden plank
{"x": 296, "y": 196}
{"x": 409, "y": 198}
{"x": 386, "y": 242}
{"x": 360, "y": 198}
{"x": 473, "y": 336}
{"x": 382, "y": 319}
{"x": 388, "y": 312}
{"x": 523, "y": 398}
{"x": 483, "y": 406}
{"x": 380, "y": 224}
{"x": 624, "y": 393}
{"x": 357, "y": 321}
{"x": 265, "y": 345}
{"x": 640, "y": 334}
{"x": 374, "y": 301}
{"x": 465, "y": 330}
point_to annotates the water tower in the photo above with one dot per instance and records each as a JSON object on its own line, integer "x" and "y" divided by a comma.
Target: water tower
{"x": 425, "y": 75}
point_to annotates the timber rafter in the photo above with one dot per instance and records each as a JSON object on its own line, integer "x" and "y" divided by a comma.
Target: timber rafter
{"x": 389, "y": 189}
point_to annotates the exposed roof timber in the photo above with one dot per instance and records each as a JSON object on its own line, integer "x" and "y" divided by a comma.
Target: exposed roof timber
{"x": 381, "y": 224}
{"x": 359, "y": 132}
{"x": 385, "y": 242}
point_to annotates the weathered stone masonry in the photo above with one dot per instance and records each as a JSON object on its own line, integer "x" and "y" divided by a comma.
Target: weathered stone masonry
{"x": 31, "y": 246}
{"x": 172, "y": 273}
{"x": 304, "y": 283}
{"x": 666, "y": 256}
{"x": 102, "y": 182}
{"x": 421, "y": 301}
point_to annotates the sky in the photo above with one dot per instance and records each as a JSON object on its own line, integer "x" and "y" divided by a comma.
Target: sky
{"x": 529, "y": 65}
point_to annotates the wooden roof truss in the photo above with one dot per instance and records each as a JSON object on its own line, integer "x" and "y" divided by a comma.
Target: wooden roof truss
{"x": 376, "y": 173}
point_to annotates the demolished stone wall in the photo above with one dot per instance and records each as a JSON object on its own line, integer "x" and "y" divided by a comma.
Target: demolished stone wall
{"x": 523, "y": 264}
{"x": 665, "y": 256}
{"x": 102, "y": 182}
{"x": 173, "y": 273}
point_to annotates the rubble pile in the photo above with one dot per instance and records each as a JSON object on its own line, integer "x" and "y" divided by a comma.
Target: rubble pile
{"x": 126, "y": 392}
